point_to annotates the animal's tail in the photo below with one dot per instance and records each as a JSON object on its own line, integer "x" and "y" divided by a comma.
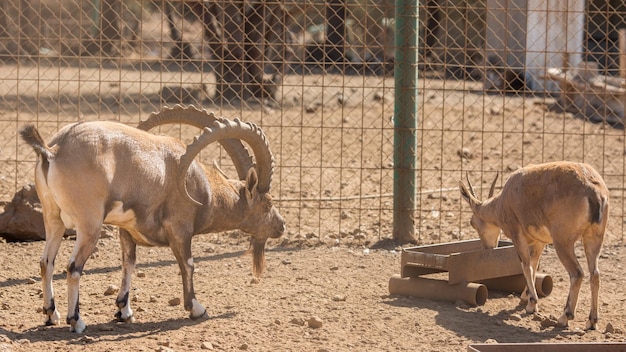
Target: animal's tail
{"x": 31, "y": 136}
{"x": 597, "y": 205}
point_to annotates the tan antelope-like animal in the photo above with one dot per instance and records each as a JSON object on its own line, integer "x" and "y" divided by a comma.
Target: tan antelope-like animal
{"x": 150, "y": 186}
{"x": 558, "y": 203}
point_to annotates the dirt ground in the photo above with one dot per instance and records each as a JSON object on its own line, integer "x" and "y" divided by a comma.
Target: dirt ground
{"x": 343, "y": 288}
{"x": 326, "y": 284}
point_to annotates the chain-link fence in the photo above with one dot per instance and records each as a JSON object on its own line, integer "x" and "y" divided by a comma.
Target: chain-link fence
{"x": 317, "y": 76}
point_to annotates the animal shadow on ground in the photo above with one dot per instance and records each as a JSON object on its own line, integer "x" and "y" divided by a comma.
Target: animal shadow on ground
{"x": 112, "y": 331}
{"x": 473, "y": 323}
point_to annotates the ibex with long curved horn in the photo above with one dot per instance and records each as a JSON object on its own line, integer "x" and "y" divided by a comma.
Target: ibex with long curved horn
{"x": 559, "y": 203}
{"x": 151, "y": 187}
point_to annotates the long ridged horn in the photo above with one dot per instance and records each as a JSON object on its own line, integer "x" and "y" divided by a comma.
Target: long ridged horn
{"x": 227, "y": 129}
{"x": 469, "y": 184}
{"x": 193, "y": 116}
{"x": 493, "y": 185}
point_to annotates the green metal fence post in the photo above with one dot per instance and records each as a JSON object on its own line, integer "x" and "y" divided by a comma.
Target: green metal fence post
{"x": 405, "y": 119}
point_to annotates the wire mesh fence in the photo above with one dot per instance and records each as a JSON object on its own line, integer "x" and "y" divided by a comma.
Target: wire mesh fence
{"x": 317, "y": 76}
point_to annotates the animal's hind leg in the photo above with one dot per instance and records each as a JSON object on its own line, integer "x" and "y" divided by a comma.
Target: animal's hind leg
{"x": 129, "y": 248}
{"x": 567, "y": 256}
{"x": 86, "y": 240}
{"x": 54, "y": 234}
{"x": 593, "y": 246}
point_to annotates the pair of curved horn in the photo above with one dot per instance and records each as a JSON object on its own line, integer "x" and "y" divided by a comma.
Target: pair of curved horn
{"x": 491, "y": 189}
{"x": 229, "y": 133}
{"x": 191, "y": 115}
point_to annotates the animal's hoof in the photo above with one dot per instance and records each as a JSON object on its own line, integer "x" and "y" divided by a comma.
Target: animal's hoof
{"x": 197, "y": 310}
{"x": 125, "y": 315}
{"x": 77, "y": 326}
{"x": 121, "y": 319}
{"x": 203, "y": 315}
{"x": 52, "y": 319}
{"x": 531, "y": 308}
{"x": 563, "y": 321}
{"x": 591, "y": 325}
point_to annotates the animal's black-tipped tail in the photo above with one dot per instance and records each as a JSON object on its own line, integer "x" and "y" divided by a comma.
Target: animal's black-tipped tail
{"x": 31, "y": 136}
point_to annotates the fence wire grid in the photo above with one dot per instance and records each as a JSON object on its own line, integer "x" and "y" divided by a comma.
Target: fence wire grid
{"x": 499, "y": 88}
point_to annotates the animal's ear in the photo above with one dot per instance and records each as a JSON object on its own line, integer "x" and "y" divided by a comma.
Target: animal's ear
{"x": 252, "y": 180}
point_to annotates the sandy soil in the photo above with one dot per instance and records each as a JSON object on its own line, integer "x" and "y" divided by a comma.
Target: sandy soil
{"x": 343, "y": 288}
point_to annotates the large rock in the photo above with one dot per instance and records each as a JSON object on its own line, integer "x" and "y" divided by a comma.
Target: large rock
{"x": 22, "y": 219}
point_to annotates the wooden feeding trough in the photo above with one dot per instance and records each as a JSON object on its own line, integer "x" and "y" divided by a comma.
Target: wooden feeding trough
{"x": 471, "y": 272}
{"x": 550, "y": 347}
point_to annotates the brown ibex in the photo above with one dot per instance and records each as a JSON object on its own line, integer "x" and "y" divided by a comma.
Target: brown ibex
{"x": 559, "y": 203}
{"x": 150, "y": 186}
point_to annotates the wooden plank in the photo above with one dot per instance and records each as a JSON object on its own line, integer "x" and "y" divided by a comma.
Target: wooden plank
{"x": 483, "y": 264}
{"x": 463, "y": 260}
{"x": 550, "y": 347}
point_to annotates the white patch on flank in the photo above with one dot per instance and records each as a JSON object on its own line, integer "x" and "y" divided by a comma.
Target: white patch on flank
{"x": 127, "y": 220}
{"x": 117, "y": 216}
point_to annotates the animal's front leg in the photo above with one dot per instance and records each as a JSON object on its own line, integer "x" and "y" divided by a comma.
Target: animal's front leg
{"x": 85, "y": 243}
{"x": 535, "y": 251}
{"x": 54, "y": 235}
{"x": 182, "y": 252}
{"x": 129, "y": 248}
{"x": 524, "y": 253}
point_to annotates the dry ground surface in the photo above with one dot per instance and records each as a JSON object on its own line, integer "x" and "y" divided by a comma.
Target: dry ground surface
{"x": 333, "y": 266}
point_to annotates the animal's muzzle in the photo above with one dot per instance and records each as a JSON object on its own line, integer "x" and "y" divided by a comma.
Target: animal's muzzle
{"x": 279, "y": 231}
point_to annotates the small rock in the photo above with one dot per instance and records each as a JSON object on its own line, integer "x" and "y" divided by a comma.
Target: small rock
{"x": 174, "y": 301}
{"x": 341, "y": 99}
{"x": 141, "y": 274}
{"x": 286, "y": 261}
{"x": 339, "y": 298}
{"x": 243, "y": 347}
{"x": 153, "y": 299}
{"x": 277, "y": 321}
{"x": 111, "y": 290}
{"x": 491, "y": 341}
{"x": 513, "y": 167}
{"x": 311, "y": 108}
{"x": 166, "y": 343}
{"x": 515, "y": 317}
{"x": 334, "y": 268}
{"x": 609, "y": 328}
{"x": 297, "y": 321}
{"x": 206, "y": 346}
{"x": 314, "y": 322}
{"x": 379, "y": 96}
{"x": 465, "y": 153}
{"x": 546, "y": 323}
